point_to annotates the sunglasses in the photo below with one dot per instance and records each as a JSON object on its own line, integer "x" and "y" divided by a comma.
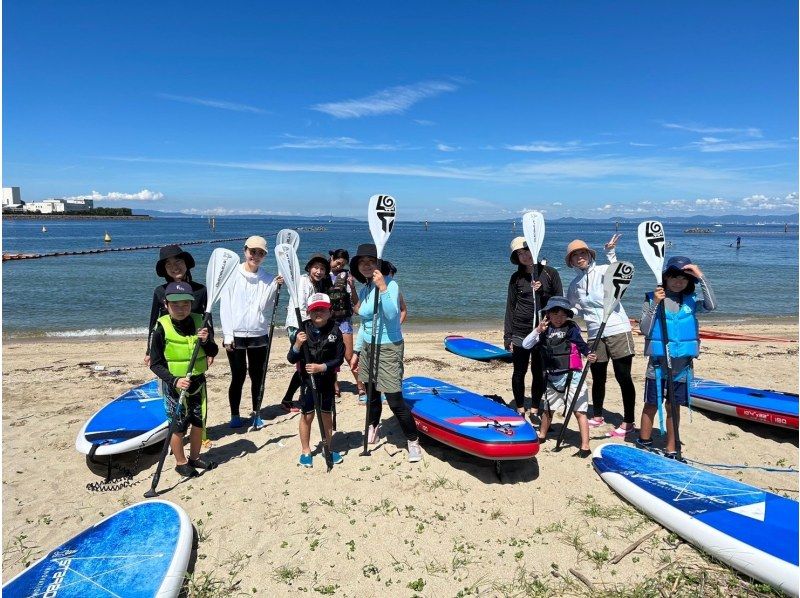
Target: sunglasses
{"x": 257, "y": 252}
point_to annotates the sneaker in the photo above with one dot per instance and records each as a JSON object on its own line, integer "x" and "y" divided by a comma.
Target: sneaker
{"x": 258, "y": 423}
{"x": 596, "y": 422}
{"x": 306, "y": 460}
{"x": 200, "y": 464}
{"x": 374, "y": 434}
{"x": 645, "y": 444}
{"x": 620, "y": 432}
{"x": 414, "y": 451}
{"x": 207, "y": 444}
{"x": 236, "y": 422}
{"x": 362, "y": 399}
{"x": 674, "y": 455}
{"x": 583, "y": 453}
{"x": 336, "y": 458}
{"x": 290, "y": 408}
{"x": 187, "y": 471}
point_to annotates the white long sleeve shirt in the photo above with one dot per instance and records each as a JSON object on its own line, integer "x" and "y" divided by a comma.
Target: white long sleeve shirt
{"x": 246, "y": 304}
{"x": 306, "y": 290}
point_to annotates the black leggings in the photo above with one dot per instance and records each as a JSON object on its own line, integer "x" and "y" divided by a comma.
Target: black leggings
{"x": 294, "y": 385}
{"x": 622, "y": 372}
{"x": 521, "y": 357}
{"x": 398, "y": 406}
{"x": 243, "y": 362}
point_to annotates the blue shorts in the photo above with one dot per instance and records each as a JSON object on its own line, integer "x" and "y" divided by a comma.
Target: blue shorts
{"x": 346, "y": 326}
{"x": 307, "y": 403}
{"x": 650, "y": 398}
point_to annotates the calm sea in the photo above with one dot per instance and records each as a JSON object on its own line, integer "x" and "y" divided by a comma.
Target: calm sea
{"x": 454, "y": 273}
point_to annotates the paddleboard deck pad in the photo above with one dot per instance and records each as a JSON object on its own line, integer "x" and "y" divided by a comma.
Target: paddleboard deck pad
{"x": 764, "y": 406}
{"x": 140, "y": 551}
{"x": 131, "y": 421}
{"x": 751, "y": 530}
{"x": 468, "y": 421}
{"x": 475, "y": 349}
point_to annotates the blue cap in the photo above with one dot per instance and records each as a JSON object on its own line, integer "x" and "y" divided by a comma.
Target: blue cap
{"x": 179, "y": 291}
{"x": 559, "y": 303}
{"x": 678, "y": 263}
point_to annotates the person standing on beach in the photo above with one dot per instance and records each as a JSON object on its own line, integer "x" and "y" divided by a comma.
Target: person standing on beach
{"x": 245, "y": 310}
{"x": 681, "y": 305}
{"x": 343, "y": 297}
{"x": 521, "y": 317}
{"x": 586, "y": 294}
{"x": 388, "y": 367}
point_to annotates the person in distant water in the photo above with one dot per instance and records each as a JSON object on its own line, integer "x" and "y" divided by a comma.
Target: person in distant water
{"x": 245, "y": 310}
{"x": 681, "y": 304}
{"x": 561, "y": 344}
{"x": 586, "y": 293}
{"x": 738, "y": 242}
{"x": 388, "y": 366}
{"x": 343, "y": 297}
{"x": 521, "y": 317}
{"x": 323, "y": 338}
{"x": 316, "y": 280}
{"x": 174, "y": 338}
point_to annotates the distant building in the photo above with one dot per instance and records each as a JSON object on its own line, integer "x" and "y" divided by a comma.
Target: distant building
{"x": 12, "y": 200}
{"x": 60, "y": 206}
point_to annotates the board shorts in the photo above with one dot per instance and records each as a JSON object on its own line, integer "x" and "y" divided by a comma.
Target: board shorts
{"x": 307, "y": 402}
{"x": 651, "y": 397}
{"x": 190, "y": 413}
{"x": 553, "y": 400}
{"x": 615, "y": 346}
{"x": 389, "y": 366}
{"x": 345, "y": 325}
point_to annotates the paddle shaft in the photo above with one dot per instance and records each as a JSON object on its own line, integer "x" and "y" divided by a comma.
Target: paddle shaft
{"x": 673, "y": 407}
{"x": 373, "y": 341}
{"x": 260, "y": 397}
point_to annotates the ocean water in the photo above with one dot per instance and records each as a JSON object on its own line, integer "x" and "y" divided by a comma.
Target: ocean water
{"x": 454, "y": 273}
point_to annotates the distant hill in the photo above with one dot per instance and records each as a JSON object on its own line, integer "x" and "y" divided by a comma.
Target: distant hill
{"x": 792, "y": 219}
{"x": 318, "y": 218}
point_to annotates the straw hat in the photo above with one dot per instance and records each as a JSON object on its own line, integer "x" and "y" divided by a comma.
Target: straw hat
{"x": 577, "y": 245}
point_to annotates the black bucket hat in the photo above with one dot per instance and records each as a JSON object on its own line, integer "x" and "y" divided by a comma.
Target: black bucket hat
{"x": 674, "y": 267}
{"x": 318, "y": 257}
{"x": 366, "y": 250}
{"x": 169, "y": 251}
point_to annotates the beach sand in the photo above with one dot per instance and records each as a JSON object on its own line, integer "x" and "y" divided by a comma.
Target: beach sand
{"x": 375, "y": 526}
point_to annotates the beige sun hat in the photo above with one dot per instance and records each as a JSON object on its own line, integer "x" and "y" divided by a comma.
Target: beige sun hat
{"x": 517, "y": 244}
{"x": 576, "y": 245}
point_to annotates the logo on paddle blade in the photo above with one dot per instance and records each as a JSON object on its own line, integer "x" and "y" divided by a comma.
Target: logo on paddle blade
{"x": 385, "y": 211}
{"x": 621, "y": 277}
{"x": 654, "y": 234}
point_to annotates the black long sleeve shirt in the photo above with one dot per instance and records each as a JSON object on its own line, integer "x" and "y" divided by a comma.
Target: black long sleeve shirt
{"x": 520, "y": 312}
{"x": 325, "y": 346}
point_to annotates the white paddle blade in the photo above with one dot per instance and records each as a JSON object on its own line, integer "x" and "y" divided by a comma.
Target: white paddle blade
{"x": 222, "y": 263}
{"x": 651, "y": 244}
{"x": 381, "y": 215}
{"x": 533, "y": 230}
{"x": 290, "y": 237}
{"x": 289, "y": 268}
{"x": 615, "y": 283}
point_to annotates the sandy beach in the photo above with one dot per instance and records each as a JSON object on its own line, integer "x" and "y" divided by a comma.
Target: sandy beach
{"x": 377, "y": 526}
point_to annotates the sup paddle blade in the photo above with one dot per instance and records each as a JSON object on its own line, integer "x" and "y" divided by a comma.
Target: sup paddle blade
{"x": 290, "y": 237}
{"x": 615, "y": 282}
{"x": 533, "y": 229}
{"x": 381, "y": 215}
{"x": 289, "y": 268}
{"x": 651, "y": 243}
{"x": 221, "y": 265}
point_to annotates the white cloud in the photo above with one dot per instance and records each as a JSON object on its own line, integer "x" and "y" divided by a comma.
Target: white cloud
{"x": 697, "y": 128}
{"x": 235, "y": 212}
{"x": 211, "y": 103}
{"x": 715, "y": 203}
{"x": 545, "y": 147}
{"x": 637, "y": 144}
{"x": 331, "y": 143}
{"x": 764, "y": 203}
{"x": 714, "y": 144}
{"x": 424, "y": 123}
{"x": 557, "y": 203}
{"x": 476, "y": 203}
{"x": 442, "y": 147}
{"x": 143, "y": 195}
{"x": 393, "y": 100}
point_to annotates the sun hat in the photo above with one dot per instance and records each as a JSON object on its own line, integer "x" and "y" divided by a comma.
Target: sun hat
{"x": 366, "y": 250}
{"x": 677, "y": 263}
{"x": 557, "y": 302}
{"x": 318, "y": 301}
{"x": 179, "y": 291}
{"x": 576, "y": 245}
{"x": 175, "y": 251}
{"x": 256, "y": 242}
{"x": 318, "y": 257}
{"x": 516, "y": 244}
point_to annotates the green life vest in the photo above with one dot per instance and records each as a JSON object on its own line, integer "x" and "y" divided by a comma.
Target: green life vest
{"x": 178, "y": 348}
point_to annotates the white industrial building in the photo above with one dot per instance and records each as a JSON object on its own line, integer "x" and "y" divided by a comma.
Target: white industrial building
{"x": 59, "y": 206}
{"x": 12, "y": 200}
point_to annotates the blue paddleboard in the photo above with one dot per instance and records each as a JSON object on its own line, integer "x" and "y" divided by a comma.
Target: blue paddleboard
{"x": 468, "y": 421}
{"x": 751, "y": 530}
{"x": 766, "y": 406}
{"x": 475, "y": 349}
{"x": 129, "y": 422}
{"x": 139, "y": 552}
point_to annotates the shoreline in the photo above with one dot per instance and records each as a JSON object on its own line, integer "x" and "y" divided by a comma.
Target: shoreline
{"x": 13, "y": 216}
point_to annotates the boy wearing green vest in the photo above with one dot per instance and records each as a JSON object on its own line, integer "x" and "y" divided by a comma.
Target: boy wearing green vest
{"x": 173, "y": 341}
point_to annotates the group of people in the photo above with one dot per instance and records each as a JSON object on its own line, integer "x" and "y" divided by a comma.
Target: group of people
{"x": 538, "y": 330}
{"x": 320, "y": 342}
{"x": 542, "y": 337}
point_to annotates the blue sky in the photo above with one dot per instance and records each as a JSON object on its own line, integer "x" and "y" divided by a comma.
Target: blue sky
{"x": 460, "y": 110}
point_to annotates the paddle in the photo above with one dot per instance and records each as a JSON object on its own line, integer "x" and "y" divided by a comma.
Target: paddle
{"x": 651, "y": 244}
{"x": 381, "y": 214}
{"x": 533, "y": 230}
{"x": 292, "y": 238}
{"x": 615, "y": 282}
{"x": 289, "y": 268}
{"x": 222, "y": 263}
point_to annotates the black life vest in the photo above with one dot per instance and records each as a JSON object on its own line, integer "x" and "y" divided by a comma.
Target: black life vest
{"x": 557, "y": 348}
{"x": 341, "y": 305}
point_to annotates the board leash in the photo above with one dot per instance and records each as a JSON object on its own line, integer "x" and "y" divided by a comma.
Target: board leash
{"x": 506, "y": 428}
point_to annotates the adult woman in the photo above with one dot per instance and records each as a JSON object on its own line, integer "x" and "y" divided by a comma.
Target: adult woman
{"x": 616, "y": 344}
{"x": 245, "y": 310}
{"x": 387, "y": 373}
{"x": 522, "y": 316}
{"x": 343, "y": 297}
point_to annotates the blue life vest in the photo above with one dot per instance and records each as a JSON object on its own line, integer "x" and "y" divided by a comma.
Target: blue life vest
{"x": 682, "y": 331}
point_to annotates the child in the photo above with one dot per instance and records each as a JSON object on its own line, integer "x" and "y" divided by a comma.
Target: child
{"x": 681, "y": 305}
{"x": 556, "y": 335}
{"x": 174, "y": 338}
{"x": 323, "y": 338}
{"x": 343, "y": 297}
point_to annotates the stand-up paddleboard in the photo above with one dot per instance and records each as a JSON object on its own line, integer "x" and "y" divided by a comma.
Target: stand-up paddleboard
{"x": 129, "y": 422}
{"x": 765, "y": 406}
{"x": 140, "y": 551}
{"x": 475, "y": 349}
{"x": 469, "y": 422}
{"x": 751, "y": 530}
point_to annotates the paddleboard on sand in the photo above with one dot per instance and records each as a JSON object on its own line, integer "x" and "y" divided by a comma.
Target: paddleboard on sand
{"x": 129, "y": 422}
{"x": 475, "y": 349}
{"x": 469, "y": 422}
{"x": 751, "y": 530}
{"x": 765, "y": 406}
{"x": 140, "y": 551}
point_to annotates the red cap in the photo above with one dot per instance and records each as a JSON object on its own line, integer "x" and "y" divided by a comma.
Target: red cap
{"x": 318, "y": 301}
